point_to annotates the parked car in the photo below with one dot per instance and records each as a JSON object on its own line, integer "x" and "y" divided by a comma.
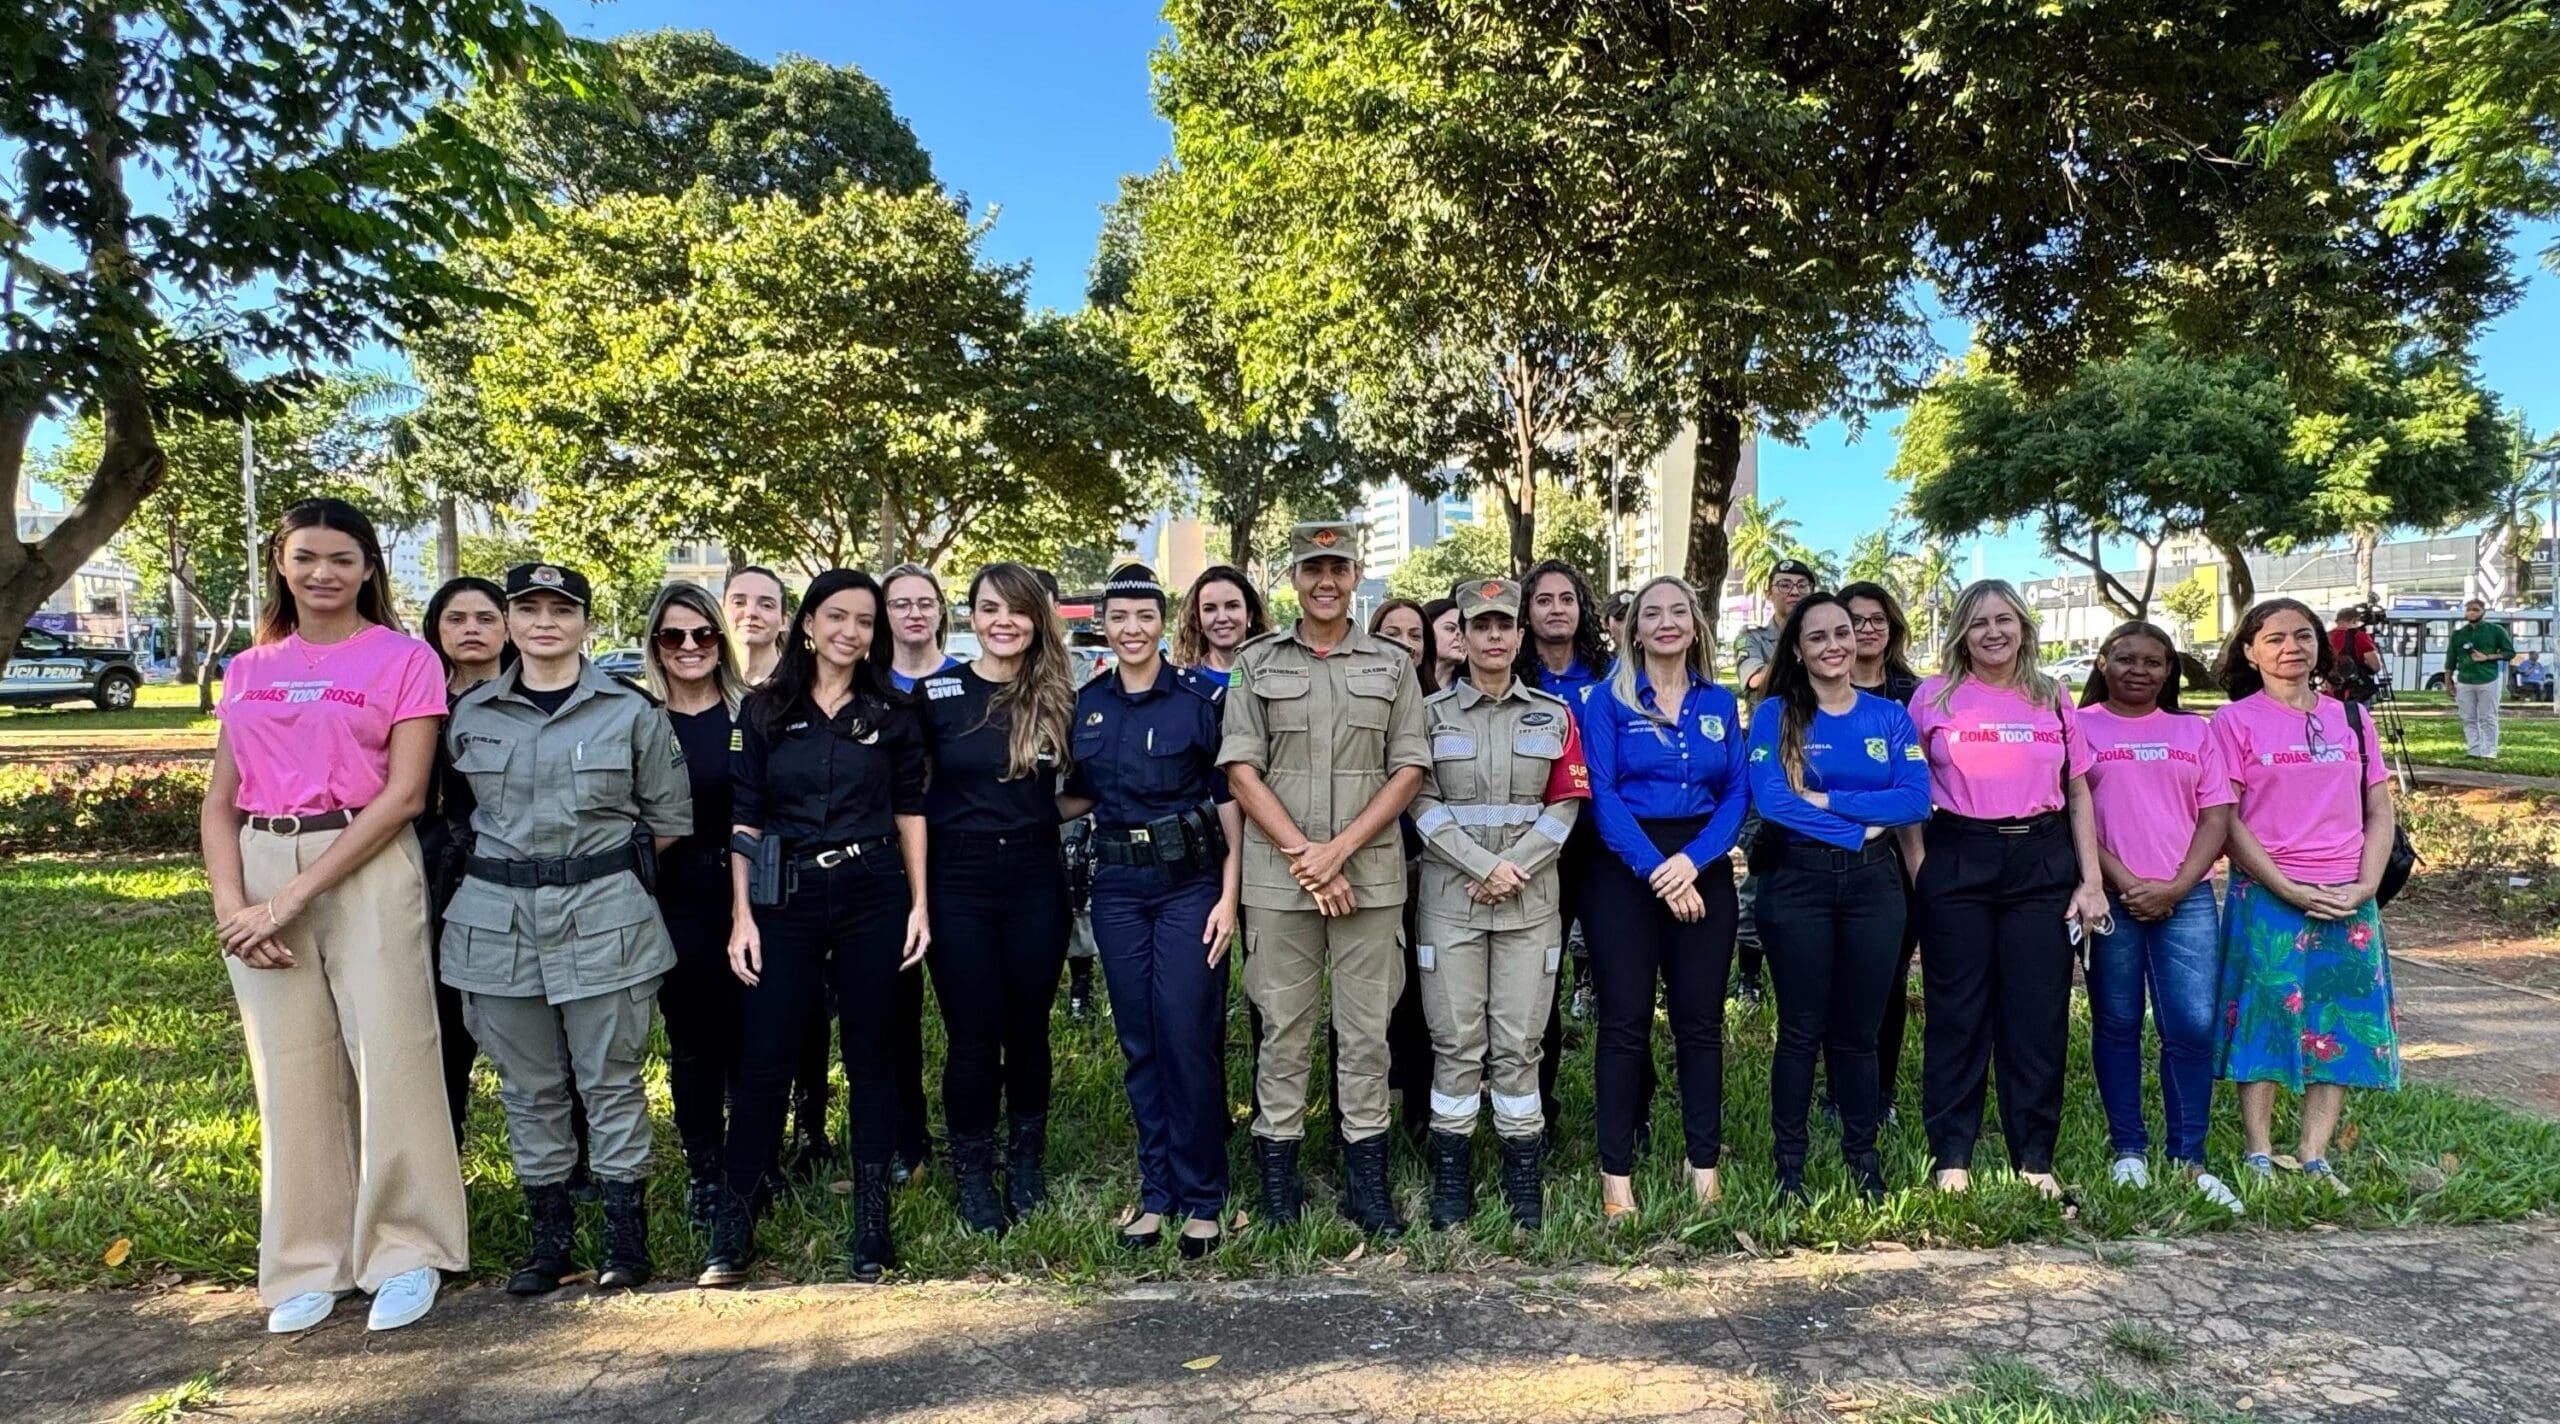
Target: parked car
{"x": 2073, "y": 672}
{"x": 622, "y": 663}
{"x": 48, "y": 667}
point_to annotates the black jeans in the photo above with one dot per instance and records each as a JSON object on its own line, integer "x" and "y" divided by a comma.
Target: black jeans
{"x": 700, "y": 999}
{"x": 1635, "y": 939}
{"x": 1995, "y": 961}
{"x": 1000, "y": 925}
{"x": 1831, "y": 922}
{"x": 844, "y": 927}
{"x": 459, "y": 1047}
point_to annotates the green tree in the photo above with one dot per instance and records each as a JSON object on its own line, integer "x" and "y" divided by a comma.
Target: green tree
{"x": 1761, "y": 537}
{"x": 300, "y": 185}
{"x": 1874, "y": 557}
{"x": 2189, "y": 601}
{"x": 1575, "y": 530}
{"x": 1929, "y": 582}
{"x": 2511, "y": 534}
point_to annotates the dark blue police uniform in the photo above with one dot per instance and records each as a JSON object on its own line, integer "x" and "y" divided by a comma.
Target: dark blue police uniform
{"x": 1148, "y": 762}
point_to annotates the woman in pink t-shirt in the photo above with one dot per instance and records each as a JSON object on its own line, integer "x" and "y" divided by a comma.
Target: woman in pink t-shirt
{"x": 2306, "y": 987}
{"x": 328, "y": 733}
{"x": 2163, "y": 803}
{"x": 2007, "y": 879}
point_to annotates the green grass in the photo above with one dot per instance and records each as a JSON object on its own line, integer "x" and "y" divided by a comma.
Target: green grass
{"x": 161, "y": 707}
{"x": 199, "y": 1394}
{"x": 128, "y": 1114}
{"x": 2008, "y": 1392}
{"x": 2145, "y": 1343}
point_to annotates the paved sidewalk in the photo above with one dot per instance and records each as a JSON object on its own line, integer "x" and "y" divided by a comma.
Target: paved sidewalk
{"x": 2442, "y": 1326}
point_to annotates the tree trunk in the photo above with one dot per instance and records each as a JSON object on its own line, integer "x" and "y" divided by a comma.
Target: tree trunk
{"x": 892, "y": 531}
{"x": 448, "y": 540}
{"x": 1711, "y": 492}
{"x": 205, "y": 671}
{"x": 2365, "y": 542}
{"x": 2236, "y": 579}
{"x": 182, "y": 612}
{"x": 130, "y": 467}
{"x": 1520, "y": 515}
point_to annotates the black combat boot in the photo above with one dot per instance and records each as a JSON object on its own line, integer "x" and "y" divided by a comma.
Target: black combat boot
{"x": 555, "y": 1227}
{"x": 1867, "y": 1170}
{"x": 1026, "y": 1178}
{"x": 872, "y": 1253}
{"x": 626, "y": 1236}
{"x": 1366, "y": 1202}
{"x": 973, "y": 1165}
{"x": 733, "y": 1239}
{"x": 1453, "y": 1197}
{"x": 704, "y": 1175}
{"x": 1524, "y": 1181}
{"x": 1284, "y": 1197}
{"x": 1791, "y": 1190}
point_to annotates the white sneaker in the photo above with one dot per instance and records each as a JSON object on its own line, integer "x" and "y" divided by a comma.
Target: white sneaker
{"x": 2132, "y": 1172}
{"x": 301, "y": 1313}
{"x": 2216, "y": 1191}
{"x": 402, "y": 1299}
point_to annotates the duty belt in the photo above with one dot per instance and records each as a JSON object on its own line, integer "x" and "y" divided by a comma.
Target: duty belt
{"x": 337, "y": 820}
{"x": 559, "y": 870}
{"x": 1192, "y": 836}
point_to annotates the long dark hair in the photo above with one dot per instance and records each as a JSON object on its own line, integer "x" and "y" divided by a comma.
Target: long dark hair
{"x": 2236, "y": 674}
{"x": 1189, "y": 648}
{"x": 444, "y": 597}
{"x": 1590, "y": 635}
{"x": 1897, "y": 629}
{"x": 1791, "y": 685}
{"x": 795, "y": 677}
{"x": 2095, "y": 691}
{"x": 1430, "y": 668}
{"x": 373, "y": 599}
{"x": 1038, "y": 707}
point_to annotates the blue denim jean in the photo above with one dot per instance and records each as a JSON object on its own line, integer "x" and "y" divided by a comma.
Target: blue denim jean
{"x": 2178, "y": 961}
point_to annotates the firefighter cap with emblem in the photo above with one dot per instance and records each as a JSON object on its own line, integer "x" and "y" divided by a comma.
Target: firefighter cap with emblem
{"x": 525, "y": 580}
{"x": 1324, "y": 539}
{"x": 1497, "y": 595}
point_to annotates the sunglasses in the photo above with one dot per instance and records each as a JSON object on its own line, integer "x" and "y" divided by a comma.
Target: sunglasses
{"x": 674, "y": 639}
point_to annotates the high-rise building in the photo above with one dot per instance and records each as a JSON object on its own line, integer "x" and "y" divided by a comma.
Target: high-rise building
{"x": 1396, "y": 523}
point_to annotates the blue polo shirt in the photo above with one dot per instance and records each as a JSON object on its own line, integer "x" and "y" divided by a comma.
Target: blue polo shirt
{"x": 1867, "y": 760}
{"x": 1643, "y": 769}
{"x": 1571, "y": 684}
{"x": 1143, "y": 755}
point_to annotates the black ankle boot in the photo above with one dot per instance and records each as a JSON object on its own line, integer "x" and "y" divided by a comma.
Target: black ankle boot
{"x": 973, "y": 1166}
{"x": 1026, "y": 1178}
{"x": 554, "y": 1214}
{"x": 1867, "y": 1170}
{"x": 872, "y": 1253}
{"x": 703, "y": 1171}
{"x": 1791, "y": 1190}
{"x": 733, "y": 1239}
{"x": 1524, "y": 1181}
{"x": 1367, "y": 1203}
{"x": 1452, "y": 1193}
{"x": 626, "y": 1236}
{"x": 1284, "y": 1197}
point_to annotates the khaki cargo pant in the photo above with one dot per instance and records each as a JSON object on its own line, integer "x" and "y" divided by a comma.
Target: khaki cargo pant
{"x": 358, "y": 1178}
{"x": 1487, "y": 995}
{"x": 1286, "y": 955}
{"x": 540, "y": 1048}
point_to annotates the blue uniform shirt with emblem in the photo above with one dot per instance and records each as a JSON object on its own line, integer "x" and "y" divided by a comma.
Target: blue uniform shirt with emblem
{"x": 1141, "y": 756}
{"x": 1648, "y": 770}
{"x": 1574, "y": 684}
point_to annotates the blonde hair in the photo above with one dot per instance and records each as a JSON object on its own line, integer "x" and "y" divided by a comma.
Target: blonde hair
{"x": 693, "y": 598}
{"x": 1955, "y": 659}
{"x": 1039, "y": 705}
{"x": 941, "y": 603}
{"x": 1622, "y": 682}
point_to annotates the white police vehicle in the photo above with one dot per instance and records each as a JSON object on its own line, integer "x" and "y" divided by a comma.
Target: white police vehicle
{"x": 48, "y": 667}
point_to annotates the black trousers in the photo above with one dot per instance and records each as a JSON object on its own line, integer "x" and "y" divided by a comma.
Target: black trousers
{"x": 809, "y": 1089}
{"x": 1897, "y": 1005}
{"x": 1995, "y": 958}
{"x": 1000, "y": 925}
{"x": 1831, "y": 923}
{"x": 459, "y": 1046}
{"x": 700, "y": 999}
{"x": 809, "y": 1086}
{"x": 844, "y": 927}
{"x": 1635, "y": 942}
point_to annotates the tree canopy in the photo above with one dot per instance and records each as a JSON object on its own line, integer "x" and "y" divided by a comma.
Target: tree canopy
{"x": 1574, "y": 529}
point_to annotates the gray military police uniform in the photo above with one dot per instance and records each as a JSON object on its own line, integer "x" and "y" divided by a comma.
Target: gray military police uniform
{"x": 1507, "y": 782}
{"x": 1325, "y": 732}
{"x": 553, "y": 971}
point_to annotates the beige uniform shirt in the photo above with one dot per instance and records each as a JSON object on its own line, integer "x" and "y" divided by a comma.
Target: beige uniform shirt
{"x": 1325, "y": 732}
{"x": 1507, "y": 782}
{"x": 580, "y": 781}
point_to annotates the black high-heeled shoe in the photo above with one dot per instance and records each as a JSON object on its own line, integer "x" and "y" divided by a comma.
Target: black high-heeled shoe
{"x": 1196, "y": 1248}
{"x": 1143, "y": 1240}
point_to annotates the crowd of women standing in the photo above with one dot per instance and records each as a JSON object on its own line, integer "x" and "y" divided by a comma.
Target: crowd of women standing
{"x": 812, "y": 809}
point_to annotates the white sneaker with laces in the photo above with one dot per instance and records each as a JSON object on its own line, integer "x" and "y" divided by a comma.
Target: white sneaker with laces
{"x": 402, "y": 1299}
{"x": 301, "y": 1313}
{"x": 2218, "y": 1192}
{"x": 2132, "y": 1172}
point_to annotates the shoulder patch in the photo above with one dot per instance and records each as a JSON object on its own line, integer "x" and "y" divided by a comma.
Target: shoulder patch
{"x": 1911, "y": 752}
{"x": 1760, "y": 753}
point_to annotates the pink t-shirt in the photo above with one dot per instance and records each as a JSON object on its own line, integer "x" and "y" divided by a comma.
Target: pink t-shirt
{"x": 2150, "y": 778}
{"x": 1994, "y": 755}
{"x": 310, "y": 727}
{"x": 2301, "y": 795}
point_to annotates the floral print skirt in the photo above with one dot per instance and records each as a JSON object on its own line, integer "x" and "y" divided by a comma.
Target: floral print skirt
{"x": 2304, "y": 1000}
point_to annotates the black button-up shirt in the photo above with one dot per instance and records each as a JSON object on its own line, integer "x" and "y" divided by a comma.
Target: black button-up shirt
{"x": 1140, "y": 756}
{"x": 821, "y": 781}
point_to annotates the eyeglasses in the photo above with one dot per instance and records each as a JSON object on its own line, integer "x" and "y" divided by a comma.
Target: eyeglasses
{"x": 912, "y": 605}
{"x": 675, "y": 639}
{"x": 2312, "y": 741}
{"x": 1872, "y": 623}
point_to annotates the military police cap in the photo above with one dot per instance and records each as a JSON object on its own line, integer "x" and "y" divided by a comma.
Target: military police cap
{"x": 1798, "y": 567}
{"x": 1499, "y": 595}
{"x": 1323, "y": 539}
{"x": 525, "y": 580}
{"x": 1133, "y": 581}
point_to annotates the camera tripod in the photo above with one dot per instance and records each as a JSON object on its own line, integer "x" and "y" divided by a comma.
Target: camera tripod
{"x": 2392, "y": 730}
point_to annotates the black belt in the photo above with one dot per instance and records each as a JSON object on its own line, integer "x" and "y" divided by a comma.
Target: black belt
{"x": 1192, "y": 836}
{"x": 2035, "y": 825}
{"x": 1797, "y": 853}
{"x": 337, "y": 820}
{"x": 829, "y": 857}
{"x": 560, "y": 870}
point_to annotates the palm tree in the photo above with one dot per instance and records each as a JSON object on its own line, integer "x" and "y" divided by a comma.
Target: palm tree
{"x": 2511, "y": 535}
{"x": 1873, "y": 557}
{"x": 1929, "y": 585}
{"x": 1760, "y": 538}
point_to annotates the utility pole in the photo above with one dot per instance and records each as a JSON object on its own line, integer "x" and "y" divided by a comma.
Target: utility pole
{"x": 2548, "y": 457}
{"x": 249, "y": 527}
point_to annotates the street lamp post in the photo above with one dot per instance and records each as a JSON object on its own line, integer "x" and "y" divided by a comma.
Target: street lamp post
{"x": 2548, "y": 457}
